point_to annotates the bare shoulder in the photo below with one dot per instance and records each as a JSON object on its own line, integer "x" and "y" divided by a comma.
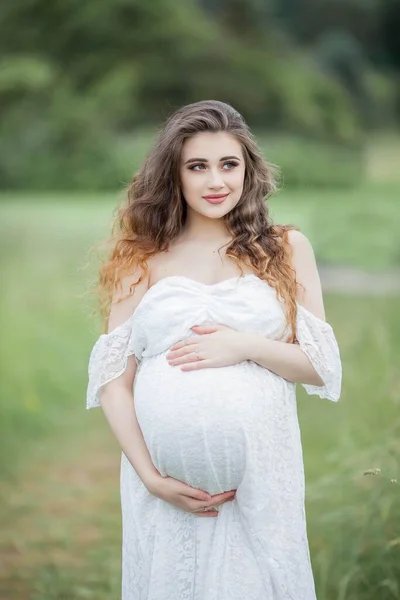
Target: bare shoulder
{"x": 298, "y": 240}
{"x": 309, "y": 292}
{"x": 303, "y": 257}
{"x": 127, "y": 296}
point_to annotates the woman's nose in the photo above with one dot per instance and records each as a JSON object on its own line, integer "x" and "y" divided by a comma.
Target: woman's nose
{"x": 216, "y": 180}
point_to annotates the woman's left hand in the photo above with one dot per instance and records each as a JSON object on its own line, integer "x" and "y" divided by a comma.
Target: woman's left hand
{"x": 214, "y": 346}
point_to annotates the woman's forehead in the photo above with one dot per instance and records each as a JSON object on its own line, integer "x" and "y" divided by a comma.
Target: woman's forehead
{"x": 211, "y": 146}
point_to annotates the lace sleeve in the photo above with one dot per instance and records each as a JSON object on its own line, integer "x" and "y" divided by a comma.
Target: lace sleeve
{"x": 318, "y": 342}
{"x": 108, "y": 360}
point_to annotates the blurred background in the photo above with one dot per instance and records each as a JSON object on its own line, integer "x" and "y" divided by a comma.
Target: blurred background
{"x": 84, "y": 87}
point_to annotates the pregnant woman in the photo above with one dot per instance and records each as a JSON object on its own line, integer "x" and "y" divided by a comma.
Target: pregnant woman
{"x": 213, "y": 315}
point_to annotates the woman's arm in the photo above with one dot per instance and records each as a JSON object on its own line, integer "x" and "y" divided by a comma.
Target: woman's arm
{"x": 116, "y": 399}
{"x": 116, "y": 396}
{"x": 288, "y": 360}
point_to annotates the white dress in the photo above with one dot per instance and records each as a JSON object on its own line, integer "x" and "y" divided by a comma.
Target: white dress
{"x": 217, "y": 429}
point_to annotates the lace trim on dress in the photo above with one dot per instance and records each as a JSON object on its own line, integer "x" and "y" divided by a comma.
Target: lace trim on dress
{"x": 108, "y": 360}
{"x": 318, "y": 342}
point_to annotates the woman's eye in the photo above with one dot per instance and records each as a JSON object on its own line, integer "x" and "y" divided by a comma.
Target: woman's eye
{"x": 232, "y": 164}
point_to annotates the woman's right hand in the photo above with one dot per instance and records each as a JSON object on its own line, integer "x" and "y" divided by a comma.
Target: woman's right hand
{"x": 187, "y": 498}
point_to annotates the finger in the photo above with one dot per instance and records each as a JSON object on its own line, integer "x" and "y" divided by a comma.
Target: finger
{"x": 201, "y": 329}
{"x": 212, "y": 505}
{"x": 182, "y": 343}
{"x": 183, "y": 346}
{"x": 216, "y": 504}
{"x": 207, "y": 513}
{"x": 215, "y": 501}
{"x": 201, "y": 364}
{"x": 195, "y": 493}
{"x": 181, "y": 352}
{"x": 187, "y": 358}
{"x": 221, "y": 497}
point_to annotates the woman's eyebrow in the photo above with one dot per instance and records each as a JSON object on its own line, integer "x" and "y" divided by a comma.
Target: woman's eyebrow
{"x": 205, "y": 160}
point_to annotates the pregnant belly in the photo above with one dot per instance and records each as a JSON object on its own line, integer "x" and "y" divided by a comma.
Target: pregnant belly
{"x": 194, "y": 423}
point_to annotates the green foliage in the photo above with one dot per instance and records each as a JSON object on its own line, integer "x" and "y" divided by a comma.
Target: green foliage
{"x": 307, "y": 164}
{"x": 313, "y": 104}
{"x": 383, "y": 92}
{"x": 51, "y": 137}
{"x": 341, "y": 55}
{"x": 390, "y": 25}
{"x": 24, "y": 74}
{"x": 75, "y": 76}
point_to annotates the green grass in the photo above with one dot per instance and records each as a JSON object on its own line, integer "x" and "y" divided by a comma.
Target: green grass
{"x": 60, "y": 519}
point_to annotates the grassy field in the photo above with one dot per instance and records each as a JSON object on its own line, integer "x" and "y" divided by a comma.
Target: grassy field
{"x": 60, "y": 520}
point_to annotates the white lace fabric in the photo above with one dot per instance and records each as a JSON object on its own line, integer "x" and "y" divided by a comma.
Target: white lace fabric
{"x": 108, "y": 360}
{"x": 216, "y": 429}
{"x": 317, "y": 340}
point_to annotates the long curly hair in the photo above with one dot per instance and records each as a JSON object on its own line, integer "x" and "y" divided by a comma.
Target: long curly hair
{"x": 154, "y": 212}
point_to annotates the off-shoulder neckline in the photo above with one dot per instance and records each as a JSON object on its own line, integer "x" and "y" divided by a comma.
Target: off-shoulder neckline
{"x": 168, "y": 279}
{"x": 200, "y": 284}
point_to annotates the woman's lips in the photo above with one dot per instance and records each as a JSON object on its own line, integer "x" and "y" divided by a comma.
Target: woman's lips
{"x": 215, "y": 199}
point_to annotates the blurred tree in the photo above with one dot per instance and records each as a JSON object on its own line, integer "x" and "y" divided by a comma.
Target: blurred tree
{"x": 307, "y": 20}
{"x": 390, "y": 23}
{"x": 341, "y": 54}
{"x": 246, "y": 19}
{"x": 76, "y": 76}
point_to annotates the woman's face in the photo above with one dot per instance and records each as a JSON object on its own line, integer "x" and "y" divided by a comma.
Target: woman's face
{"x": 212, "y": 165}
